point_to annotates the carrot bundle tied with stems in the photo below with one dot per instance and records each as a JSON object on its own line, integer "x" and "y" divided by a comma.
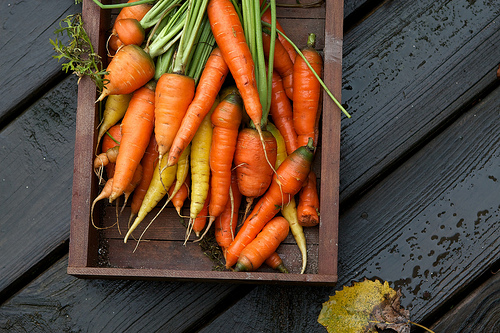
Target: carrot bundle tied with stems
{"x": 137, "y": 127}
{"x": 226, "y": 119}
{"x": 263, "y": 246}
{"x": 287, "y": 181}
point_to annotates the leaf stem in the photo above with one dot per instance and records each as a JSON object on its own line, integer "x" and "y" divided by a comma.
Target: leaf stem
{"x": 314, "y": 72}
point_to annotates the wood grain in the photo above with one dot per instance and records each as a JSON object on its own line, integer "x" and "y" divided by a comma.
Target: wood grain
{"x": 410, "y": 69}
{"x": 479, "y": 312}
{"x": 27, "y": 69}
{"x": 35, "y": 184}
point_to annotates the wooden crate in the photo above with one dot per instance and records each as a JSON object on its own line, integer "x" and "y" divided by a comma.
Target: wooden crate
{"x": 102, "y": 254}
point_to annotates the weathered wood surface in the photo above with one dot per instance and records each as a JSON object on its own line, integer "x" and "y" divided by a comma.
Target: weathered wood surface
{"x": 36, "y": 154}
{"x": 27, "y": 68}
{"x": 410, "y": 68}
{"x": 441, "y": 77}
{"x": 476, "y": 313}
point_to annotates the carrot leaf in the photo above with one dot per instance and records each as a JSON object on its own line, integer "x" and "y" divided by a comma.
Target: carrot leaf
{"x": 81, "y": 58}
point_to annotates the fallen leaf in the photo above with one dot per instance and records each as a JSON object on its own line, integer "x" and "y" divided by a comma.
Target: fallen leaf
{"x": 364, "y": 307}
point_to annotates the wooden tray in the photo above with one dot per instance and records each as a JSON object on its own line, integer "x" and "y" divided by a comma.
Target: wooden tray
{"x": 161, "y": 255}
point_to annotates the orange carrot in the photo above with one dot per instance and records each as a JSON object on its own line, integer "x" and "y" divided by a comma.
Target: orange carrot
{"x": 253, "y": 172}
{"x": 130, "y": 69}
{"x": 201, "y": 220}
{"x": 148, "y": 163}
{"x": 137, "y": 127}
{"x": 282, "y": 115}
{"x": 230, "y": 38}
{"x": 130, "y": 31}
{"x": 287, "y": 182}
{"x": 306, "y": 93}
{"x": 281, "y": 64}
{"x": 225, "y": 224}
{"x": 263, "y": 246}
{"x": 211, "y": 80}
{"x": 174, "y": 93}
{"x": 178, "y": 198}
{"x": 308, "y": 207}
{"x": 274, "y": 261}
{"x": 226, "y": 119}
{"x": 136, "y": 12}
{"x": 136, "y": 179}
{"x": 266, "y": 17}
{"x": 108, "y": 143}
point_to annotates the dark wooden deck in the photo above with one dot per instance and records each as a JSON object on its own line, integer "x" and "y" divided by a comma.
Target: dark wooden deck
{"x": 419, "y": 182}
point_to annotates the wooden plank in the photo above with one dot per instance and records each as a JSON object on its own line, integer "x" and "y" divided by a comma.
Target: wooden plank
{"x": 409, "y": 69}
{"x": 479, "y": 312}
{"x": 429, "y": 229}
{"x": 26, "y": 63}
{"x": 57, "y": 302}
{"x": 36, "y": 156}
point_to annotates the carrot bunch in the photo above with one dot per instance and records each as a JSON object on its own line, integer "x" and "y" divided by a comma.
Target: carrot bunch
{"x": 190, "y": 137}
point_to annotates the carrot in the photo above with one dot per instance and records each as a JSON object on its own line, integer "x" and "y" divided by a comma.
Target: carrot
{"x": 181, "y": 195}
{"x": 106, "y": 160}
{"x": 287, "y": 181}
{"x": 114, "y": 110}
{"x": 156, "y": 192}
{"x": 226, "y": 119}
{"x": 174, "y": 93}
{"x": 148, "y": 163}
{"x": 110, "y": 141}
{"x": 129, "y": 31}
{"x": 137, "y": 127}
{"x": 306, "y": 93}
{"x": 211, "y": 80}
{"x": 308, "y": 208}
{"x": 263, "y": 246}
{"x": 182, "y": 170}
{"x": 201, "y": 220}
{"x": 266, "y": 17}
{"x": 289, "y": 211}
{"x": 200, "y": 168}
{"x": 136, "y": 179}
{"x": 253, "y": 172}
{"x": 274, "y": 261}
{"x": 130, "y": 69}
{"x": 282, "y": 63}
{"x": 225, "y": 224}
{"x": 230, "y": 37}
{"x": 282, "y": 115}
{"x": 135, "y": 12}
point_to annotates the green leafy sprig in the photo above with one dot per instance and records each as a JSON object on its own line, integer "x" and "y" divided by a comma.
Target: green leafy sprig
{"x": 81, "y": 58}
